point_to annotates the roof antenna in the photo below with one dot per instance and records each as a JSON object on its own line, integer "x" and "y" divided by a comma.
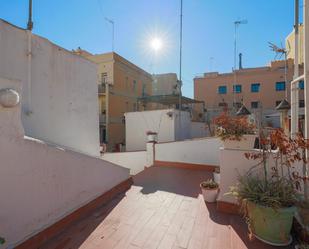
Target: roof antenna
{"x": 30, "y": 22}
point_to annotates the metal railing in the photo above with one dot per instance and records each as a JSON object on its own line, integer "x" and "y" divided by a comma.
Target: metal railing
{"x": 101, "y": 89}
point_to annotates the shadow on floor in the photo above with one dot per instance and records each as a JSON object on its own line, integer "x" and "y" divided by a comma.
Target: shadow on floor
{"x": 74, "y": 236}
{"x": 239, "y": 226}
{"x": 174, "y": 180}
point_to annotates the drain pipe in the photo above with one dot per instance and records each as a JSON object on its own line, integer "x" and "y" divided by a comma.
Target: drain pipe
{"x": 294, "y": 87}
{"x": 29, "y": 57}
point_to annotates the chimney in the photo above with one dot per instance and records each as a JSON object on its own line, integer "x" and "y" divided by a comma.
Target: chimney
{"x": 240, "y": 60}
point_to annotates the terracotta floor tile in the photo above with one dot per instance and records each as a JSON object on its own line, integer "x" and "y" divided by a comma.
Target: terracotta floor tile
{"x": 163, "y": 209}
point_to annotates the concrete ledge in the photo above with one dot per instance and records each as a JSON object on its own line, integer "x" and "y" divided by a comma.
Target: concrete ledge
{"x": 37, "y": 240}
{"x": 182, "y": 165}
{"x": 227, "y": 207}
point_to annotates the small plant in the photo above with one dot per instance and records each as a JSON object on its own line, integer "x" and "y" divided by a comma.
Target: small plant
{"x": 232, "y": 128}
{"x": 209, "y": 184}
{"x": 303, "y": 246}
{"x": 275, "y": 193}
{"x": 217, "y": 170}
{"x": 2, "y": 241}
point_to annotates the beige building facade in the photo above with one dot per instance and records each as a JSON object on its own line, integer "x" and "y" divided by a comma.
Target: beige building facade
{"x": 257, "y": 88}
{"x": 120, "y": 83}
{"x": 290, "y": 46}
{"x": 165, "y": 84}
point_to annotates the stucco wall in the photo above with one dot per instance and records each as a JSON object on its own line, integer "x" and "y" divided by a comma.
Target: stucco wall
{"x": 41, "y": 183}
{"x": 135, "y": 161}
{"x": 138, "y": 123}
{"x": 198, "y": 129}
{"x": 61, "y": 100}
{"x": 164, "y": 122}
{"x": 233, "y": 164}
{"x": 196, "y": 151}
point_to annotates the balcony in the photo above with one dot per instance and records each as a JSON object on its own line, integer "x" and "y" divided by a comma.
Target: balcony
{"x": 102, "y": 118}
{"x": 101, "y": 89}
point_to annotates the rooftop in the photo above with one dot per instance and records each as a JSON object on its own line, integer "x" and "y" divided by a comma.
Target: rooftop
{"x": 163, "y": 209}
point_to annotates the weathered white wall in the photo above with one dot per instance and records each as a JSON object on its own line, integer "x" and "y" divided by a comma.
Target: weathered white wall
{"x": 138, "y": 123}
{"x": 62, "y": 97}
{"x": 198, "y": 130}
{"x": 167, "y": 127}
{"x": 39, "y": 183}
{"x": 182, "y": 128}
{"x": 135, "y": 161}
{"x": 195, "y": 151}
{"x": 233, "y": 164}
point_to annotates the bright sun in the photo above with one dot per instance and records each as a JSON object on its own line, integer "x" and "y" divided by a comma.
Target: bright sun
{"x": 156, "y": 44}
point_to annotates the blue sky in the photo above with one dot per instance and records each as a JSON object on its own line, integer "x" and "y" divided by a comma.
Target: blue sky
{"x": 208, "y": 30}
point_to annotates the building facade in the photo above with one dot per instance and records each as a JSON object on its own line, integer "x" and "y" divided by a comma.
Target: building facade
{"x": 260, "y": 88}
{"x": 120, "y": 83}
{"x": 290, "y": 46}
{"x": 165, "y": 84}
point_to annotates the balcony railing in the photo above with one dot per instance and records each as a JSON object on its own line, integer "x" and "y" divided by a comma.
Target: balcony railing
{"x": 101, "y": 89}
{"x": 102, "y": 118}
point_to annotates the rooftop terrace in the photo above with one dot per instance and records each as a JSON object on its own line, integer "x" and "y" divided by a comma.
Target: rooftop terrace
{"x": 163, "y": 209}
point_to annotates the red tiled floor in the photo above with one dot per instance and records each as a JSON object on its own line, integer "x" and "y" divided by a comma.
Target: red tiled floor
{"x": 163, "y": 209}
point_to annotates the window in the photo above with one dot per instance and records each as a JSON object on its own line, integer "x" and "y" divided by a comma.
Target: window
{"x": 301, "y": 103}
{"x": 222, "y": 89}
{"x": 222, "y": 104}
{"x": 144, "y": 90}
{"x": 301, "y": 85}
{"x": 280, "y": 86}
{"x": 127, "y": 82}
{"x": 255, "y": 104}
{"x": 237, "y": 104}
{"x": 255, "y": 87}
{"x": 237, "y": 88}
{"x": 278, "y": 102}
{"x": 103, "y": 78}
{"x": 134, "y": 85}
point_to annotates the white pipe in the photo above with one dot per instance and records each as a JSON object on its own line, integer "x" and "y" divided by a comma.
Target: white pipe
{"x": 299, "y": 78}
{"x": 29, "y": 76}
{"x": 294, "y": 86}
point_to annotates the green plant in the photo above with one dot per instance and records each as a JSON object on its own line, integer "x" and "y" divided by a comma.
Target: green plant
{"x": 273, "y": 193}
{"x": 217, "y": 170}
{"x": 232, "y": 128}
{"x": 209, "y": 184}
{"x": 2, "y": 241}
{"x": 274, "y": 187}
{"x": 303, "y": 246}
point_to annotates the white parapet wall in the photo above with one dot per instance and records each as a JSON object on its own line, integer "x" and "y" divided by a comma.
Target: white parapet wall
{"x": 204, "y": 151}
{"x": 59, "y": 89}
{"x": 135, "y": 160}
{"x": 233, "y": 164}
{"x": 40, "y": 183}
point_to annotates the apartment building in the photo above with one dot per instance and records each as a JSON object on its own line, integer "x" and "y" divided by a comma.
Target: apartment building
{"x": 120, "y": 83}
{"x": 261, "y": 87}
{"x": 165, "y": 84}
{"x": 290, "y": 46}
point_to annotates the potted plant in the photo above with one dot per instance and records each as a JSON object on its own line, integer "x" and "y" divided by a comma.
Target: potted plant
{"x": 268, "y": 194}
{"x": 152, "y": 136}
{"x": 216, "y": 174}
{"x": 209, "y": 190}
{"x": 235, "y": 132}
{"x": 302, "y": 246}
{"x": 2, "y": 241}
